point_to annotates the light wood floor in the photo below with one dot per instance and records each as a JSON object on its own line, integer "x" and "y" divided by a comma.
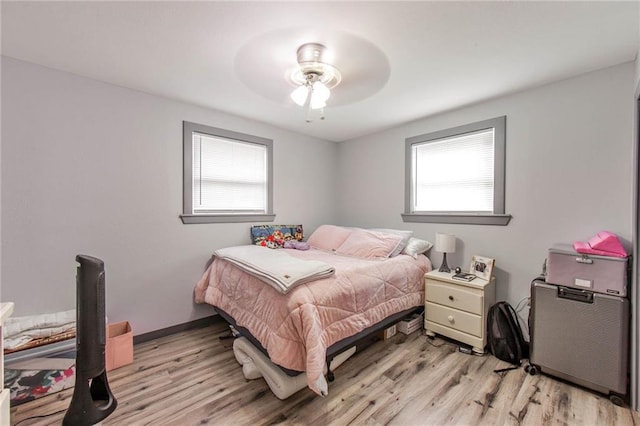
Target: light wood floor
{"x": 192, "y": 378}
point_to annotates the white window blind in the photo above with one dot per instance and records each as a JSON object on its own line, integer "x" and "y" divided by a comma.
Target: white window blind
{"x": 454, "y": 174}
{"x": 229, "y": 176}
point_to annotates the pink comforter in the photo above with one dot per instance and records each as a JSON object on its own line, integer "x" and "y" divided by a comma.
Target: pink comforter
{"x": 297, "y": 328}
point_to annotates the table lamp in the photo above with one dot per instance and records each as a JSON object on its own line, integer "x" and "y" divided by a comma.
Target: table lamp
{"x": 445, "y": 243}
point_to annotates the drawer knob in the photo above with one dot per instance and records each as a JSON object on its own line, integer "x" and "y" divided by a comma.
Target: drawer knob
{"x": 450, "y": 318}
{"x": 451, "y": 298}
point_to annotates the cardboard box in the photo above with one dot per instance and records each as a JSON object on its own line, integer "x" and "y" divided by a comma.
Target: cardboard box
{"x": 388, "y": 332}
{"x": 410, "y": 324}
{"x": 119, "y": 346}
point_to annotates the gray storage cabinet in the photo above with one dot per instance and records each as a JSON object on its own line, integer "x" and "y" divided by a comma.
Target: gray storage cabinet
{"x": 580, "y": 336}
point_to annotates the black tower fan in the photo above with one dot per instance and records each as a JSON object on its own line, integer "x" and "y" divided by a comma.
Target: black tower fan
{"x": 92, "y": 399}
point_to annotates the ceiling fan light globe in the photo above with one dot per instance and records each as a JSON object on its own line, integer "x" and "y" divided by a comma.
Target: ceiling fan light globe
{"x": 321, "y": 91}
{"x": 299, "y": 96}
{"x": 317, "y": 102}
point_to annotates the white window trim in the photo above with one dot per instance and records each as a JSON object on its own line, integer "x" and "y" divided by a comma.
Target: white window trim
{"x": 188, "y": 217}
{"x": 498, "y": 217}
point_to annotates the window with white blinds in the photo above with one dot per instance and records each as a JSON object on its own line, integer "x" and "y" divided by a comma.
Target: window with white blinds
{"x": 457, "y": 175}
{"x": 227, "y": 176}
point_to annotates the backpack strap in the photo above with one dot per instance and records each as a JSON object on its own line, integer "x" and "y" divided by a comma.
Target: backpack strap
{"x": 502, "y": 370}
{"x": 522, "y": 344}
{"x": 506, "y": 309}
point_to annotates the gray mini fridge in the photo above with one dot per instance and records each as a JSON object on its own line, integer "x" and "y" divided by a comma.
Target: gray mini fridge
{"x": 580, "y": 336}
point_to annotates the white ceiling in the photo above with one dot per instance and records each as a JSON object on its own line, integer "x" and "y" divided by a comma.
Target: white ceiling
{"x": 400, "y": 60}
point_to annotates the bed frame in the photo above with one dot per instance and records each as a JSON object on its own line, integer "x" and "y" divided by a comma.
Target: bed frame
{"x": 333, "y": 350}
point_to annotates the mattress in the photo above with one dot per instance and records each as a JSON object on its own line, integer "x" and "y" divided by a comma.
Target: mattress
{"x": 255, "y": 365}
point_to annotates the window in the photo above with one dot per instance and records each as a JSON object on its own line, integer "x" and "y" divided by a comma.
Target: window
{"x": 227, "y": 176}
{"x": 457, "y": 175}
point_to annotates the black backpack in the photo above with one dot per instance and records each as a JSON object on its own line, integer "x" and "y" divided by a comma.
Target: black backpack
{"x": 504, "y": 335}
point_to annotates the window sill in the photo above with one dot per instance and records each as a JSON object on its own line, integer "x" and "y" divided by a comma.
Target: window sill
{"x": 226, "y": 218}
{"x": 468, "y": 219}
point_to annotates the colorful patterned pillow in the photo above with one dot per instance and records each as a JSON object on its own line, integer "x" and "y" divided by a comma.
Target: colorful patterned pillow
{"x": 274, "y": 236}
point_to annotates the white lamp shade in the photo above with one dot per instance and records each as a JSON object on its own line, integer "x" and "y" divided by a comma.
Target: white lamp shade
{"x": 445, "y": 243}
{"x": 299, "y": 95}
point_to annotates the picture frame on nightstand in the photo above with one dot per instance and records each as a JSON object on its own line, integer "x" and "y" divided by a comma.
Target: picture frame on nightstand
{"x": 482, "y": 267}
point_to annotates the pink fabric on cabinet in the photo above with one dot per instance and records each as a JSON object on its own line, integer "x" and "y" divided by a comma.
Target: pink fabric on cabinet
{"x": 604, "y": 243}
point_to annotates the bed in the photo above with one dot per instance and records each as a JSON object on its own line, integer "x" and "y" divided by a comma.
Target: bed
{"x": 376, "y": 277}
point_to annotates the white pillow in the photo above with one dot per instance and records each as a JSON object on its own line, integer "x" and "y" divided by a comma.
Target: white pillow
{"x": 416, "y": 246}
{"x": 403, "y": 242}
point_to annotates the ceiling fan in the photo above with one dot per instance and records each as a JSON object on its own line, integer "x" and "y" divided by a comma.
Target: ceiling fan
{"x": 315, "y": 79}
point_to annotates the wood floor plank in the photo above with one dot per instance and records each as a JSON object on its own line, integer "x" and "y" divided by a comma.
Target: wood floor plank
{"x": 421, "y": 384}
{"x": 150, "y": 407}
{"x": 192, "y": 378}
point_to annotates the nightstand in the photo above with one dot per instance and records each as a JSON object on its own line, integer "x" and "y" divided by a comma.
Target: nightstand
{"x": 458, "y": 309}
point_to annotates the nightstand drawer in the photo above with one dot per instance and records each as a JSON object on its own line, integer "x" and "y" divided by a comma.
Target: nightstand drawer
{"x": 454, "y": 296}
{"x": 453, "y": 318}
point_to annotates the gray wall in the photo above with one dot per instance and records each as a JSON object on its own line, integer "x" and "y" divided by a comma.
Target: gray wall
{"x": 637, "y": 78}
{"x": 635, "y": 301}
{"x": 93, "y": 168}
{"x": 568, "y": 174}
{"x": 89, "y": 167}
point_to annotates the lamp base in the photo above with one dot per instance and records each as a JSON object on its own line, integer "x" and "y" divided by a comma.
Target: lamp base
{"x": 444, "y": 267}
